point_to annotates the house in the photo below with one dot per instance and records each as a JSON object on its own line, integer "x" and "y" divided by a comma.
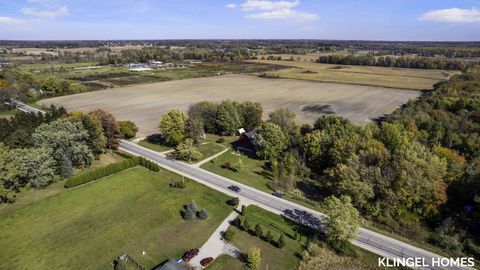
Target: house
{"x": 172, "y": 265}
{"x": 247, "y": 141}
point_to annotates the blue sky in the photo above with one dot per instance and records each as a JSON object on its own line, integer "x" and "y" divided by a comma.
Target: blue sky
{"x": 241, "y": 19}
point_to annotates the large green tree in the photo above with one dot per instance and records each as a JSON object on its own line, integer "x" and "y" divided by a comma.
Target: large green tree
{"x": 96, "y": 138}
{"x": 187, "y": 150}
{"x": 110, "y": 128}
{"x": 64, "y": 139}
{"x": 172, "y": 127}
{"x": 270, "y": 141}
{"x": 342, "y": 219}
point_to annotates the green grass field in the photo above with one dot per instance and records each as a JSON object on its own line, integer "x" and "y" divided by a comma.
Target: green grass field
{"x": 252, "y": 175}
{"x": 89, "y": 226}
{"x": 272, "y": 257}
{"x": 154, "y": 147}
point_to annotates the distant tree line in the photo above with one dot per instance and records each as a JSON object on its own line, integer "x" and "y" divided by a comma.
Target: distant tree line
{"x": 399, "y": 62}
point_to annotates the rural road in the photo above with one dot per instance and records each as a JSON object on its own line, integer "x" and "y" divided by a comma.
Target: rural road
{"x": 377, "y": 243}
{"x": 367, "y": 239}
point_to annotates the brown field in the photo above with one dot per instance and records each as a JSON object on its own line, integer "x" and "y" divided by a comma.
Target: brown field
{"x": 145, "y": 104}
{"x": 401, "y": 78}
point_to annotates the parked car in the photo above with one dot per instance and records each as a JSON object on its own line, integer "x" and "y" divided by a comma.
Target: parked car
{"x": 234, "y": 188}
{"x": 206, "y": 261}
{"x": 190, "y": 254}
{"x": 278, "y": 194}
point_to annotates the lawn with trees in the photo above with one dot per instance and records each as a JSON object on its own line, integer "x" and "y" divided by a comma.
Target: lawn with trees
{"x": 416, "y": 168}
{"x": 89, "y": 226}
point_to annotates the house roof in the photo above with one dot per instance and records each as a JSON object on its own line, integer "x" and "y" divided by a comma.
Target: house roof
{"x": 172, "y": 265}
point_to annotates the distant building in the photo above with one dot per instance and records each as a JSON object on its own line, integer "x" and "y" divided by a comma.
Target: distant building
{"x": 138, "y": 67}
{"x": 193, "y": 61}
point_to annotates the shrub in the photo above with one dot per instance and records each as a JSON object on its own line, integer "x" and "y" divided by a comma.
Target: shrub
{"x": 101, "y": 172}
{"x": 269, "y": 236}
{"x": 128, "y": 129}
{"x": 178, "y": 184}
{"x": 149, "y": 164}
{"x": 202, "y": 214}
{"x": 227, "y": 165}
{"x": 472, "y": 248}
{"x": 230, "y": 235}
{"x": 259, "y": 230}
{"x": 244, "y": 210}
{"x": 246, "y": 225}
{"x": 192, "y": 207}
{"x": 234, "y": 202}
{"x": 188, "y": 214}
{"x": 111, "y": 169}
{"x": 124, "y": 154}
{"x": 343, "y": 248}
{"x": 281, "y": 242}
{"x": 221, "y": 140}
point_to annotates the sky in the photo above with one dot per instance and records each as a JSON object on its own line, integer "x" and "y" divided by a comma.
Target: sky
{"x": 414, "y": 20}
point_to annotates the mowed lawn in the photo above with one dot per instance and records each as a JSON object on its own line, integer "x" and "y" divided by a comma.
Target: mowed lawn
{"x": 285, "y": 258}
{"x": 89, "y": 226}
{"x": 253, "y": 174}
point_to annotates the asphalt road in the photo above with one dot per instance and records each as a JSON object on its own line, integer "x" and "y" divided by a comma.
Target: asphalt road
{"x": 377, "y": 243}
{"x": 367, "y": 239}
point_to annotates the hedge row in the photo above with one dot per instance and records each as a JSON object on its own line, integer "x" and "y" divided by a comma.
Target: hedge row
{"x": 111, "y": 169}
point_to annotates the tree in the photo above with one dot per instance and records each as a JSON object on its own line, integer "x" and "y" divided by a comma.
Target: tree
{"x": 269, "y": 236}
{"x": 251, "y": 114}
{"x": 342, "y": 219}
{"x": 227, "y": 119}
{"x": 254, "y": 258}
{"x": 65, "y": 167}
{"x": 206, "y": 112}
{"x": 194, "y": 129}
{"x": 110, "y": 128}
{"x": 64, "y": 139}
{"x": 284, "y": 118}
{"x": 239, "y": 166}
{"x": 51, "y": 85}
{"x": 270, "y": 141}
{"x": 96, "y": 138}
{"x": 281, "y": 241}
{"x": 246, "y": 226}
{"x": 128, "y": 129}
{"x": 187, "y": 151}
{"x": 172, "y": 127}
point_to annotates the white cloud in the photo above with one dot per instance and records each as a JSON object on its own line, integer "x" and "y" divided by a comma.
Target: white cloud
{"x": 62, "y": 11}
{"x": 453, "y": 15}
{"x": 15, "y": 21}
{"x": 268, "y": 5}
{"x": 274, "y": 10}
{"x": 284, "y": 14}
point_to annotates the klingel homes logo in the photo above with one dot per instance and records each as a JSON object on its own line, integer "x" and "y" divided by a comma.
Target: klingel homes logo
{"x": 420, "y": 262}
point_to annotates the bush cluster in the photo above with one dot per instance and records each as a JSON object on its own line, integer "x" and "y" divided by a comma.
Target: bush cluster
{"x": 111, "y": 169}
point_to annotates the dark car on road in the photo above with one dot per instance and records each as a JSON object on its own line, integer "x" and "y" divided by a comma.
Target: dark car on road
{"x": 234, "y": 188}
{"x": 278, "y": 194}
{"x": 206, "y": 261}
{"x": 190, "y": 254}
